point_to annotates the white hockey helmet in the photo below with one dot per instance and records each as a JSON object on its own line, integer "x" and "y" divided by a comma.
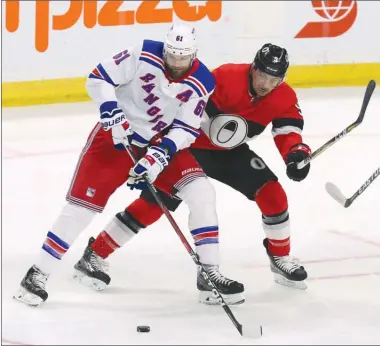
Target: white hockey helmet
{"x": 181, "y": 41}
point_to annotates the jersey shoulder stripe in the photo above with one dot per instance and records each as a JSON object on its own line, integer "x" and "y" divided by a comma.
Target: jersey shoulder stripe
{"x": 152, "y": 53}
{"x": 202, "y": 80}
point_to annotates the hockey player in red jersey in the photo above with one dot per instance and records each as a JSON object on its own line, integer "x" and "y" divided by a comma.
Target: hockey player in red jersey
{"x": 152, "y": 97}
{"x": 247, "y": 98}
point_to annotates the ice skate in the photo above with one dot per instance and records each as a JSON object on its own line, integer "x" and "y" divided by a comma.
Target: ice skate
{"x": 231, "y": 290}
{"x": 32, "y": 288}
{"x": 91, "y": 269}
{"x": 286, "y": 269}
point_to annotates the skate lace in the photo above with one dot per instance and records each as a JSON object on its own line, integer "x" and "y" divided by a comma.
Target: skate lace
{"x": 39, "y": 279}
{"x": 287, "y": 263}
{"x": 98, "y": 263}
{"x": 218, "y": 278}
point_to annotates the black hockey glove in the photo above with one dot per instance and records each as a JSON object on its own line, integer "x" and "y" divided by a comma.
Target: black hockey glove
{"x": 297, "y": 153}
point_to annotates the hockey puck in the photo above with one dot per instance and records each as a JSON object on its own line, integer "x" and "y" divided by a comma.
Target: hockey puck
{"x": 143, "y": 329}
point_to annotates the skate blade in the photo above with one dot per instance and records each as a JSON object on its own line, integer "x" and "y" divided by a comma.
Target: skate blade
{"x": 300, "y": 285}
{"x": 91, "y": 283}
{"x": 206, "y": 297}
{"x": 27, "y": 297}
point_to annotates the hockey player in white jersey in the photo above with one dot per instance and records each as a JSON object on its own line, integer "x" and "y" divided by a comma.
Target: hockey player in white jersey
{"x": 153, "y": 95}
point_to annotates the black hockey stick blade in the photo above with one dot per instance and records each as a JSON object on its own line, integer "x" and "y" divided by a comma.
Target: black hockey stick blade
{"x": 367, "y": 97}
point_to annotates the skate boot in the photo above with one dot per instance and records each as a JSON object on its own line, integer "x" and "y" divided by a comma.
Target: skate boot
{"x": 91, "y": 269}
{"x": 32, "y": 288}
{"x": 287, "y": 270}
{"x": 231, "y": 291}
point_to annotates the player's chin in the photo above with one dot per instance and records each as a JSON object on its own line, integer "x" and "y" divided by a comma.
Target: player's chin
{"x": 263, "y": 92}
{"x": 176, "y": 73}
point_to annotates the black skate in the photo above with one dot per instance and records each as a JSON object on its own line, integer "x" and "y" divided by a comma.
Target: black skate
{"x": 32, "y": 288}
{"x": 232, "y": 291}
{"x": 91, "y": 269}
{"x": 287, "y": 270}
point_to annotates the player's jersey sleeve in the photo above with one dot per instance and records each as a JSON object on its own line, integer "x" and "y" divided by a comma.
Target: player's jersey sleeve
{"x": 186, "y": 126}
{"x": 220, "y": 96}
{"x": 110, "y": 73}
{"x": 288, "y": 125}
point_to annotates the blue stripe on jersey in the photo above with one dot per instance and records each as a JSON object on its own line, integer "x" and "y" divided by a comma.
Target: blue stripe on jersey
{"x": 194, "y": 86}
{"x": 195, "y": 134}
{"x": 94, "y": 76}
{"x": 107, "y": 78}
{"x": 205, "y": 77}
{"x": 137, "y": 138}
{"x": 204, "y": 230}
{"x": 178, "y": 124}
{"x": 154, "y": 47}
{"x": 152, "y": 62}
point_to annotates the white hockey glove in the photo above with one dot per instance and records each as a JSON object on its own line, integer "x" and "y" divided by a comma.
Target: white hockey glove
{"x": 150, "y": 166}
{"x": 121, "y": 134}
{"x": 112, "y": 117}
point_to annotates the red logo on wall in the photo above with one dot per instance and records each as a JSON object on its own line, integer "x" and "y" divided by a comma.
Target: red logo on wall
{"x": 338, "y": 18}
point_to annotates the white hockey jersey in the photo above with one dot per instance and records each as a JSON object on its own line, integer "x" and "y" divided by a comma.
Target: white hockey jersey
{"x": 136, "y": 79}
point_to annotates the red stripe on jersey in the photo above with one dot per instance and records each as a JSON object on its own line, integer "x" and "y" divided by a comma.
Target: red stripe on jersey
{"x": 153, "y": 57}
{"x": 199, "y": 84}
{"x": 96, "y": 72}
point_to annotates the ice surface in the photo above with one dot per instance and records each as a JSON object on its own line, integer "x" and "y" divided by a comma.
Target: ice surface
{"x": 153, "y": 277}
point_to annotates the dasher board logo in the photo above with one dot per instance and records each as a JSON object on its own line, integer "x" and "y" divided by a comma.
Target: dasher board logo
{"x": 337, "y": 17}
{"x": 106, "y": 14}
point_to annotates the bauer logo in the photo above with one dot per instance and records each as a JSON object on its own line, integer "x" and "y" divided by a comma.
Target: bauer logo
{"x": 91, "y": 13}
{"x": 190, "y": 170}
{"x": 337, "y": 17}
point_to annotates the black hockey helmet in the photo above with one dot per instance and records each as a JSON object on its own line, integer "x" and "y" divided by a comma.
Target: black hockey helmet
{"x": 272, "y": 60}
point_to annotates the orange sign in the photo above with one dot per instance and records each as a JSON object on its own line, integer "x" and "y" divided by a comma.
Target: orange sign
{"x": 107, "y": 15}
{"x": 338, "y": 18}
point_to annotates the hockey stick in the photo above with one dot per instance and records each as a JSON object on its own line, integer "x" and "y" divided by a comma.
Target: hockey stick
{"x": 335, "y": 192}
{"x": 367, "y": 97}
{"x": 257, "y": 332}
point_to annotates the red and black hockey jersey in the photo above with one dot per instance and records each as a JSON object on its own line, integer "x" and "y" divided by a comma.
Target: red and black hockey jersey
{"x": 234, "y": 95}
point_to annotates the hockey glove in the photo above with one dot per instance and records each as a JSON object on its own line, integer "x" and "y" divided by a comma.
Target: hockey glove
{"x": 297, "y": 153}
{"x": 112, "y": 117}
{"x": 121, "y": 134}
{"x": 150, "y": 166}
